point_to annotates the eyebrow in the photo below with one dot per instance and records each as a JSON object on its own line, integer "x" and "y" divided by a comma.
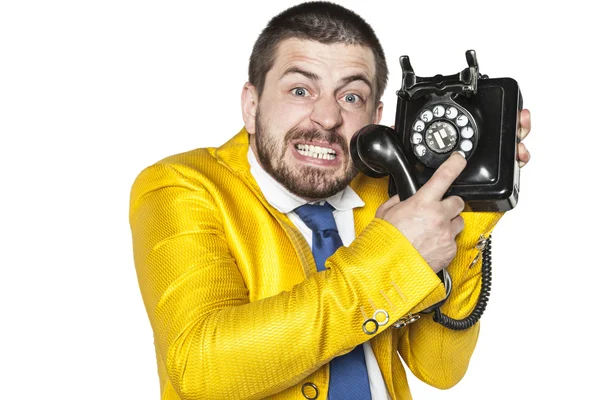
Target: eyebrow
{"x": 296, "y": 70}
{"x": 357, "y": 77}
{"x": 312, "y": 76}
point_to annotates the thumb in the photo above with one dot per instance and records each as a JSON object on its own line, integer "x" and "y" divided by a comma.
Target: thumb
{"x": 389, "y": 203}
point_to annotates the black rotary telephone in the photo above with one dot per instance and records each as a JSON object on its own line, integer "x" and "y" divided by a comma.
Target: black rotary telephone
{"x": 435, "y": 116}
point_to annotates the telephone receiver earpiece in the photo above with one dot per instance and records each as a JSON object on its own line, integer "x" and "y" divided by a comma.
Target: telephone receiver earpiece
{"x": 376, "y": 152}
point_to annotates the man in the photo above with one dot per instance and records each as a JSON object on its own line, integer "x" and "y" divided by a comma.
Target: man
{"x": 241, "y": 300}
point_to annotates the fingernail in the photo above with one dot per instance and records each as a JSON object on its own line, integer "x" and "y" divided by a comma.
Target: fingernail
{"x": 462, "y": 154}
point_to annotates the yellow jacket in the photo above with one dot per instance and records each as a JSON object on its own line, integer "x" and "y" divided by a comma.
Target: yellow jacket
{"x": 236, "y": 304}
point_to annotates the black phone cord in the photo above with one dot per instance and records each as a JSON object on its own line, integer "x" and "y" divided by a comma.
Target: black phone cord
{"x": 484, "y": 295}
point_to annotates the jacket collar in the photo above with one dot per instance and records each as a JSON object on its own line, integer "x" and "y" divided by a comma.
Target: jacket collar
{"x": 233, "y": 155}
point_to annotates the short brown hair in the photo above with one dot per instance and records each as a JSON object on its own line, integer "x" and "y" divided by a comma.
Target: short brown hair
{"x": 323, "y": 22}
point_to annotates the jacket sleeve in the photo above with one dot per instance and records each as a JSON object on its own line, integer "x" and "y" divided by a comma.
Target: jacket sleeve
{"x": 435, "y": 354}
{"x": 212, "y": 340}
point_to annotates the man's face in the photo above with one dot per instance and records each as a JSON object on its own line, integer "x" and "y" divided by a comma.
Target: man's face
{"x": 315, "y": 98}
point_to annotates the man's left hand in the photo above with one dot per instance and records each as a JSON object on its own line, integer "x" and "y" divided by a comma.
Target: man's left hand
{"x": 522, "y": 153}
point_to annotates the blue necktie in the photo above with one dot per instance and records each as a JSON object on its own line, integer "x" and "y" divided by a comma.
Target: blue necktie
{"x": 348, "y": 373}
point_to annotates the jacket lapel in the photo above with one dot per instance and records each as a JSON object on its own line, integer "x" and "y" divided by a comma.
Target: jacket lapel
{"x": 234, "y": 156}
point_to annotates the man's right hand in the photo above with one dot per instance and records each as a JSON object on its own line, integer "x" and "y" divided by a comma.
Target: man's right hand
{"x": 429, "y": 222}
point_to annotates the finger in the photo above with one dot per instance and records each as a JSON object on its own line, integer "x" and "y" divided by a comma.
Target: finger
{"x": 525, "y": 122}
{"x": 457, "y": 224}
{"x": 442, "y": 178}
{"x": 453, "y": 205}
{"x": 523, "y": 155}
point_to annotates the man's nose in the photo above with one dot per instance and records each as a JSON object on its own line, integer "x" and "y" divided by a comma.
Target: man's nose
{"x": 327, "y": 113}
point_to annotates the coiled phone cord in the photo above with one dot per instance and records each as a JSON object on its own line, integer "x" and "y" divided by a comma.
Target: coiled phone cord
{"x": 484, "y": 295}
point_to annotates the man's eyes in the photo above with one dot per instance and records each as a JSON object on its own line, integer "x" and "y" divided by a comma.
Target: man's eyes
{"x": 350, "y": 98}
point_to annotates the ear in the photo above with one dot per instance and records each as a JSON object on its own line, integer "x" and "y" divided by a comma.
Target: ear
{"x": 378, "y": 113}
{"x": 249, "y": 106}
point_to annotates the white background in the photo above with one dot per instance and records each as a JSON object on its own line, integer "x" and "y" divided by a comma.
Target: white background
{"x": 91, "y": 92}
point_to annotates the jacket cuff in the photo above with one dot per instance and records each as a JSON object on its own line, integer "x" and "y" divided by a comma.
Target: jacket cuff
{"x": 465, "y": 274}
{"x": 389, "y": 273}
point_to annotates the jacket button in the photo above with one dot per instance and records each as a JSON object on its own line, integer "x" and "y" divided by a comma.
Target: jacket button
{"x": 370, "y": 326}
{"x": 383, "y": 315}
{"x": 310, "y": 391}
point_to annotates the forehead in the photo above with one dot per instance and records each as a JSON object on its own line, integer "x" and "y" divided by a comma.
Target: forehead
{"x": 336, "y": 59}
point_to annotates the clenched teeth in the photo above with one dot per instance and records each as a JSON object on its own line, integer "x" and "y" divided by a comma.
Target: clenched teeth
{"x": 309, "y": 150}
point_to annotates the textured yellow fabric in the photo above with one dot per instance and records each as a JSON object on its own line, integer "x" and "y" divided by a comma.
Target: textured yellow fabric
{"x": 238, "y": 309}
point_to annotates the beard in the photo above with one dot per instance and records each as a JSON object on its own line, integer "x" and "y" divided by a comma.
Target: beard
{"x": 309, "y": 182}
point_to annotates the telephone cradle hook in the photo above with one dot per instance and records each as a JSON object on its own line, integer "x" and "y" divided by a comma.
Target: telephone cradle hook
{"x": 464, "y": 82}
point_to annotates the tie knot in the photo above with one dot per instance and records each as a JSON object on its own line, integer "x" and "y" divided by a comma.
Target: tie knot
{"x": 316, "y": 217}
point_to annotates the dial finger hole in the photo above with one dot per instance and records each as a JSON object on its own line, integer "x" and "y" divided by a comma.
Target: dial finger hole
{"x": 426, "y": 115}
{"x": 419, "y": 125}
{"x": 439, "y": 111}
{"x": 466, "y": 145}
{"x": 451, "y": 112}
{"x": 462, "y": 120}
{"x": 467, "y": 132}
{"x": 417, "y": 138}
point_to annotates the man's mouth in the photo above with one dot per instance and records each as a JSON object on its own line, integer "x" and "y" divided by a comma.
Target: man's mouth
{"x": 320, "y": 152}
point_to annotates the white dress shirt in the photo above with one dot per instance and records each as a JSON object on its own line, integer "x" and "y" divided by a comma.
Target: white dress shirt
{"x": 343, "y": 202}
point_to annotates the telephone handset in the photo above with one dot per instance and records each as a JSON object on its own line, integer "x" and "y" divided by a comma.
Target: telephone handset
{"x": 435, "y": 116}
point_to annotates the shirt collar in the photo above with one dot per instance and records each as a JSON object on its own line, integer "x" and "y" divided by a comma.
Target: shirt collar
{"x": 284, "y": 201}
